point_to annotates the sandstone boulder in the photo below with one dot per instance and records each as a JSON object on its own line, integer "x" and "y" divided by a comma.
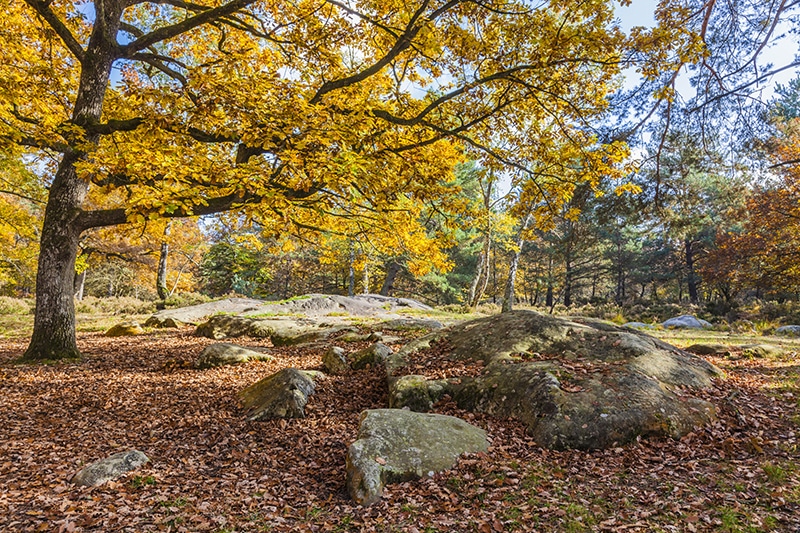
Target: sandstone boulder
{"x": 686, "y": 322}
{"x": 335, "y": 361}
{"x": 789, "y": 331}
{"x": 281, "y": 395}
{"x": 109, "y": 468}
{"x": 578, "y": 383}
{"x": 126, "y": 329}
{"x": 709, "y": 349}
{"x": 762, "y": 351}
{"x": 163, "y": 322}
{"x": 370, "y": 356}
{"x": 225, "y": 353}
{"x": 396, "y": 445}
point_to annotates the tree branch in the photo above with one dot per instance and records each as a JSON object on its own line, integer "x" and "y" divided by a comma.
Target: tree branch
{"x": 69, "y": 40}
{"x": 167, "y": 32}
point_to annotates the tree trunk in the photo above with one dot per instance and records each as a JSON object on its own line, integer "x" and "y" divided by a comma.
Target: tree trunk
{"x": 54, "y": 320}
{"x": 80, "y": 285}
{"x": 691, "y": 277}
{"x": 392, "y": 270}
{"x": 508, "y": 295}
{"x": 161, "y": 277}
{"x": 481, "y": 279}
{"x": 365, "y": 279}
{"x": 351, "y": 274}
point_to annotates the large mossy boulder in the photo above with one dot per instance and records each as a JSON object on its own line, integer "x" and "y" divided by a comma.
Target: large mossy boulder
{"x": 578, "y": 383}
{"x": 281, "y": 395}
{"x": 396, "y": 445}
{"x": 225, "y": 353}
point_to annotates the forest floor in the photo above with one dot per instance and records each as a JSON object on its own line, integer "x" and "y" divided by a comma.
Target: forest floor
{"x": 212, "y": 470}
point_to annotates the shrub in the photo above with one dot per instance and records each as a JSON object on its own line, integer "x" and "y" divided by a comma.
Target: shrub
{"x": 124, "y": 305}
{"x": 15, "y": 306}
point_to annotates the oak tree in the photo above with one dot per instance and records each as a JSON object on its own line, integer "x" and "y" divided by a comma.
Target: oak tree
{"x": 288, "y": 110}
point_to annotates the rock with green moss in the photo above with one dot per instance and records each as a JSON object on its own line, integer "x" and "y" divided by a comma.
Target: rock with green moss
{"x": 709, "y": 349}
{"x": 416, "y": 392}
{"x": 335, "y": 361}
{"x": 126, "y": 329}
{"x": 281, "y": 395}
{"x": 158, "y": 321}
{"x": 762, "y": 351}
{"x": 225, "y": 353}
{"x": 370, "y": 356}
{"x": 396, "y": 445}
{"x": 577, "y": 383}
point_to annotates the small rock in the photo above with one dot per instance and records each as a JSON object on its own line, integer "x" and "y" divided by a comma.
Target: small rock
{"x": 109, "y": 468}
{"x": 225, "y": 353}
{"x": 281, "y": 395}
{"x": 686, "y": 322}
{"x": 789, "y": 331}
{"x": 638, "y": 325}
{"x": 709, "y": 349}
{"x": 156, "y": 321}
{"x": 126, "y": 329}
{"x": 335, "y": 361}
{"x": 396, "y": 445}
{"x": 762, "y": 350}
{"x": 373, "y": 355}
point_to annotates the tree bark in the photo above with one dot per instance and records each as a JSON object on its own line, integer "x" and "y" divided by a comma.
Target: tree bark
{"x": 161, "y": 277}
{"x": 54, "y": 320}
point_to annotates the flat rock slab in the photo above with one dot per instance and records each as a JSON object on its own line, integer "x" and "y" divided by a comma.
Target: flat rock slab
{"x": 396, "y": 445}
{"x": 579, "y": 383}
{"x": 410, "y": 324}
{"x": 280, "y": 331}
{"x": 109, "y": 468}
{"x": 316, "y": 305}
{"x": 281, "y": 395}
{"x": 225, "y": 353}
{"x": 686, "y": 322}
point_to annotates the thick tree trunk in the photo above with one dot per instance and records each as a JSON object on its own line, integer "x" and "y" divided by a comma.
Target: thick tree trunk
{"x": 161, "y": 277}
{"x": 54, "y": 320}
